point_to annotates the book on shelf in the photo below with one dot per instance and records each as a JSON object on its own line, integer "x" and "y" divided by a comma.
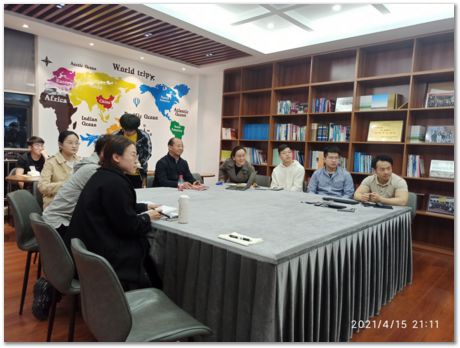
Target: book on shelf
{"x": 330, "y": 132}
{"x": 344, "y": 104}
{"x": 440, "y": 94}
{"x": 385, "y": 130}
{"x": 289, "y": 132}
{"x": 229, "y": 134}
{"x": 255, "y": 156}
{"x": 441, "y": 204}
{"x": 296, "y": 155}
{"x": 442, "y": 169}
{"x": 383, "y": 101}
{"x": 362, "y": 163}
{"x": 286, "y": 107}
{"x": 316, "y": 159}
{"x": 440, "y": 134}
{"x": 314, "y": 131}
{"x": 324, "y": 105}
{"x": 225, "y": 154}
{"x": 417, "y": 134}
{"x": 256, "y": 131}
{"x": 415, "y": 166}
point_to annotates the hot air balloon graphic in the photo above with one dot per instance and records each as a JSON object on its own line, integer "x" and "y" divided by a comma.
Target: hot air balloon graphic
{"x": 136, "y": 101}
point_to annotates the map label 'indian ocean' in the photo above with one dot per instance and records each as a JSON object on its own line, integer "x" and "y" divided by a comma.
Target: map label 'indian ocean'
{"x": 130, "y": 70}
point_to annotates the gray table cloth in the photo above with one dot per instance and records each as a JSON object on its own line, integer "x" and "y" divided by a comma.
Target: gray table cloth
{"x": 316, "y": 270}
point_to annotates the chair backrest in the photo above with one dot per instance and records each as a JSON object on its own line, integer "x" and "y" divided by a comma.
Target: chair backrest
{"x": 198, "y": 177}
{"x": 23, "y": 204}
{"x": 104, "y": 306}
{"x": 412, "y": 203}
{"x": 150, "y": 179}
{"x": 11, "y": 186}
{"x": 263, "y": 180}
{"x": 55, "y": 257}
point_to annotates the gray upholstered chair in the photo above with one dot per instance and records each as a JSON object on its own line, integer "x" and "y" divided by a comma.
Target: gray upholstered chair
{"x": 137, "y": 316}
{"x": 150, "y": 179}
{"x": 412, "y": 203}
{"x": 198, "y": 177}
{"x": 37, "y": 194}
{"x": 58, "y": 267}
{"x": 22, "y": 203}
{"x": 263, "y": 180}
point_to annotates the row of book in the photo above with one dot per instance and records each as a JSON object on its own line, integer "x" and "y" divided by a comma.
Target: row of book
{"x": 317, "y": 160}
{"x": 287, "y": 107}
{"x": 229, "y": 133}
{"x": 415, "y": 166}
{"x": 255, "y": 131}
{"x": 255, "y": 156}
{"x": 330, "y": 132}
{"x": 432, "y": 134}
{"x": 288, "y": 131}
{"x": 296, "y": 154}
{"x": 324, "y": 105}
{"x": 362, "y": 163}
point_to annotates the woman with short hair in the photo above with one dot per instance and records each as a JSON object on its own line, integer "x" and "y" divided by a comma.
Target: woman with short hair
{"x": 237, "y": 169}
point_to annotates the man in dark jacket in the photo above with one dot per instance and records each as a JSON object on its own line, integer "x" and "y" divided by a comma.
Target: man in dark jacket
{"x": 130, "y": 129}
{"x": 170, "y": 167}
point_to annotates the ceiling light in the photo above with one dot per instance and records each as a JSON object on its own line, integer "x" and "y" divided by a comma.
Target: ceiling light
{"x": 25, "y": 26}
{"x": 183, "y": 69}
{"x": 148, "y": 34}
{"x": 142, "y": 58}
{"x": 91, "y": 43}
{"x": 209, "y": 54}
{"x": 336, "y": 7}
{"x": 60, "y": 5}
{"x": 270, "y": 25}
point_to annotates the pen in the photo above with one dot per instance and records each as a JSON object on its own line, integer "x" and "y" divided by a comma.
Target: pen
{"x": 242, "y": 238}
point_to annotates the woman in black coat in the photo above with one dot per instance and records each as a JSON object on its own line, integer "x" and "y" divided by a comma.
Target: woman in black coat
{"x": 106, "y": 217}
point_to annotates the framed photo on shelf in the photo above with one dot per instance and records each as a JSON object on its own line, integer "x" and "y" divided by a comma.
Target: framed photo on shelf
{"x": 440, "y": 134}
{"x": 442, "y": 169}
{"x": 440, "y": 100}
{"x": 441, "y": 204}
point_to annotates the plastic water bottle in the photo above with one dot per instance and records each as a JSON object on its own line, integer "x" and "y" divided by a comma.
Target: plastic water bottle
{"x": 180, "y": 183}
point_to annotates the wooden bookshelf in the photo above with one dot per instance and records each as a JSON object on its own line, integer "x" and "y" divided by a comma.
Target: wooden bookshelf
{"x": 406, "y": 67}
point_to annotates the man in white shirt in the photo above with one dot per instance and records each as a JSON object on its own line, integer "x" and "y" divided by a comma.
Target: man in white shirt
{"x": 289, "y": 174}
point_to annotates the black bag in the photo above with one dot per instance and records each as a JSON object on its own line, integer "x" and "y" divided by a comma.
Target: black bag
{"x": 43, "y": 293}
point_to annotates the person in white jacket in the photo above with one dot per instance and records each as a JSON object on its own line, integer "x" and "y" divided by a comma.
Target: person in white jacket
{"x": 289, "y": 174}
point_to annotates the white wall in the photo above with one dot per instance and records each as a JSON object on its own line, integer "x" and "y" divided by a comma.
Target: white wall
{"x": 209, "y": 124}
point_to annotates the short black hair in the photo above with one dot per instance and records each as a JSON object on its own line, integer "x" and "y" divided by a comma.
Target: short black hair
{"x": 35, "y": 140}
{"x": 236, "y": 149}
{"x": 64, "y": 134}
{"x": 100, "y": 143}
{"x": 130, "y": 122}
{"x": 283, "y": 147}
{"x": 383, "y": 158}
{"x": 331, "y": 149}
{"x": 171, "y": 141}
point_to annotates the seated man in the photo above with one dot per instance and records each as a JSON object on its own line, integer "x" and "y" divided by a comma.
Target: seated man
{"x": 34, "y": 158}
{"x": 170, "y": 167}
{"x": 332, "y": 180}
{"x": 289, "y": 174}
{"x": 384, "y": 186}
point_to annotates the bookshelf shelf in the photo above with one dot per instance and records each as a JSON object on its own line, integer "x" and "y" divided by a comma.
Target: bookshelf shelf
{"x": 439, "y": 216}
{"x": 409, "y": 67}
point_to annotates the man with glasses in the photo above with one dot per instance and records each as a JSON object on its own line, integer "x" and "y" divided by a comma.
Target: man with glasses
{"x": 331, "y": 180}
{"x": 32, "y": 160}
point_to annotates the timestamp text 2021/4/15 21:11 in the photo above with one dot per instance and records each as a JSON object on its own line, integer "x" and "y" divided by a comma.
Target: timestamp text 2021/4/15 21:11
{"x": 395, "y": 324}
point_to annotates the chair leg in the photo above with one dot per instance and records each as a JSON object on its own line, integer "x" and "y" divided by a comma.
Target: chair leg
{"x": 51, "y": 315}
{"x": 35, "y": 257}
{"x": 72, "y": 318}
{"x": 25, "y": 281}
{"x": 39, "y": 267}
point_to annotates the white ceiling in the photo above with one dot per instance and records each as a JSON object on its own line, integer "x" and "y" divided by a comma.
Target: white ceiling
{"x": 271, "y": 28}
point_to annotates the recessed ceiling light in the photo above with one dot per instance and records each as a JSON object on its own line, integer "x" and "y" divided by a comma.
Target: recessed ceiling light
{"x": 270, "y": 25}
{"x": 336, "y": 7}
{"x": 209, "y": 54}
{"x": 91, "y": 43}
{"x": 142, "y": 58}
{"x": 183, "y": 69}
{"x": 25, "y": 26}
{"x": 60, "y": 5}
{"x": 148, "y": 34}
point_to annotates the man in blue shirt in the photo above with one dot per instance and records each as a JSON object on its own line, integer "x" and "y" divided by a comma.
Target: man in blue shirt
{"x": 332, "y": 180}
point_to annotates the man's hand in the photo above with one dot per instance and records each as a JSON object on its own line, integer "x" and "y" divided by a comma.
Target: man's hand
{"x": 187, "y": 185}
{"x": 365, "y": 197}
{"x": 44, "y": 154}
{"x": 153, "y": 206}
{"x": 375, "y": 197}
